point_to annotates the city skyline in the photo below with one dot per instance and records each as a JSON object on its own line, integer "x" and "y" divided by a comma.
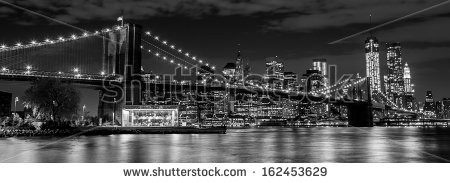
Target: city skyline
{"x": 280, "y": 82}
{"x": 263, "y": 34}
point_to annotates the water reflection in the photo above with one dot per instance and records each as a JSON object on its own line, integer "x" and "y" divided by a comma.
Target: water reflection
{"x": 241, "y": 145}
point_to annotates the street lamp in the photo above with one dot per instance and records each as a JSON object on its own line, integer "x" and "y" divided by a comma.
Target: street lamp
{"x": 15, "y": 104}
{"x": 28, "y": 68}
{"x": 84, "y": 108}
{"x": 114, "y": 112}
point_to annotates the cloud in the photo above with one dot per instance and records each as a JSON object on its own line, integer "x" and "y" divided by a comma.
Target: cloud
{"x": 355, "y": 13}
{"x": 329, "y": 12}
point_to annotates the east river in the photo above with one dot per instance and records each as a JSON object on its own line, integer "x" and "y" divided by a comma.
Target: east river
{"x": 258, "y": 145}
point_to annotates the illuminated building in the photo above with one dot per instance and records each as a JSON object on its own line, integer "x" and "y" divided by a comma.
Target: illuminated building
{"x": 395, "y": 75}
{"x": 320, "y": 64}
{"x": 446, "y": 108}
{"x": 429, "y": 107}
{"x": 290, "y": 81}
{"x": 313, "y": 80}
{"x": 274, "y": 67}
{"x": 141, "y": 115}
{"x": 409, "y": 87}
{"x": 274, "y": 72}
{"x": 373, "y": 63}
{"x": 240, "y": 67}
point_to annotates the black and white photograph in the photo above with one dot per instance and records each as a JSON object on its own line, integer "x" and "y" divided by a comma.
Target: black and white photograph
{"x": 167, "y": 88}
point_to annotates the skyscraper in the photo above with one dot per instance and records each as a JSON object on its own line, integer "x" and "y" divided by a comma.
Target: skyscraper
{"x": 274, "y": 72}
{"x": 409, "y": 87}
{"x": 239, "y": 73}
{"x": 274, "y": 67}
{"x": 395, "y": 75}
{"x": 320, "y": 64}
{"x": 373, "y": 63}
{"x": 430, "y": 105}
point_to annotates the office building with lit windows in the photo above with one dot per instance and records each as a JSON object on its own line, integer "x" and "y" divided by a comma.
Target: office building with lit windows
{"x": 274, "y": 72}
{"x": 320, "y": 64}
{"x": 373, "y": 63}
{"x": 429, "y": 107}
{"x": 395, "y": 76}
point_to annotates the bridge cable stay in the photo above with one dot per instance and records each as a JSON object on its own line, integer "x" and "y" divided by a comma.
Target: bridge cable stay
{"x": 14, "y": 58}
{"x": 179, "y": 50}
{"x": 164, "y": 57}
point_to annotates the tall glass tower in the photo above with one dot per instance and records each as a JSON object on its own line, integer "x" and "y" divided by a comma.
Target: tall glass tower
{"x": 373, "y": 63}
{"x": 395, "y": 74}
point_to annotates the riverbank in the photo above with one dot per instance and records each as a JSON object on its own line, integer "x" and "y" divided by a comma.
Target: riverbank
{"x": 11, "y": 132}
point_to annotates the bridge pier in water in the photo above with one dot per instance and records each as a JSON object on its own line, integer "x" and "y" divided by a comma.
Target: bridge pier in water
{"x": 360, "y": 114}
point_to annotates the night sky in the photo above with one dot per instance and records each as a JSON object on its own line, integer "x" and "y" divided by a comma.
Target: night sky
{"x": 294, "y": 30}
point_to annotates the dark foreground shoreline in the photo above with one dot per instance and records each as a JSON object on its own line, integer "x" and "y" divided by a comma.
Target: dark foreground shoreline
{"x": 111, "y": 131}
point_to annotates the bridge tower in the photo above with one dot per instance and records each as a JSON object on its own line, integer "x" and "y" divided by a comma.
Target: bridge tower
{"x": 122, "y": 57}
{"x": 360, "y": 113}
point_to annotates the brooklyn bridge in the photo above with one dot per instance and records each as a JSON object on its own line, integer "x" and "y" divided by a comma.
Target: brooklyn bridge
{"x": 110, "y": 62}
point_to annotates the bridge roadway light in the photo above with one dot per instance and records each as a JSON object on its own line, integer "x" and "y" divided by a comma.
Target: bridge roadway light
{"x": 18, "y": 44}
{"x": 3, "y": 46}
{"x": 33, "y": 42}
{"x": 4, "y": 69}
{"x": 102, "y": 73}
{"x": 28, "y": 67}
